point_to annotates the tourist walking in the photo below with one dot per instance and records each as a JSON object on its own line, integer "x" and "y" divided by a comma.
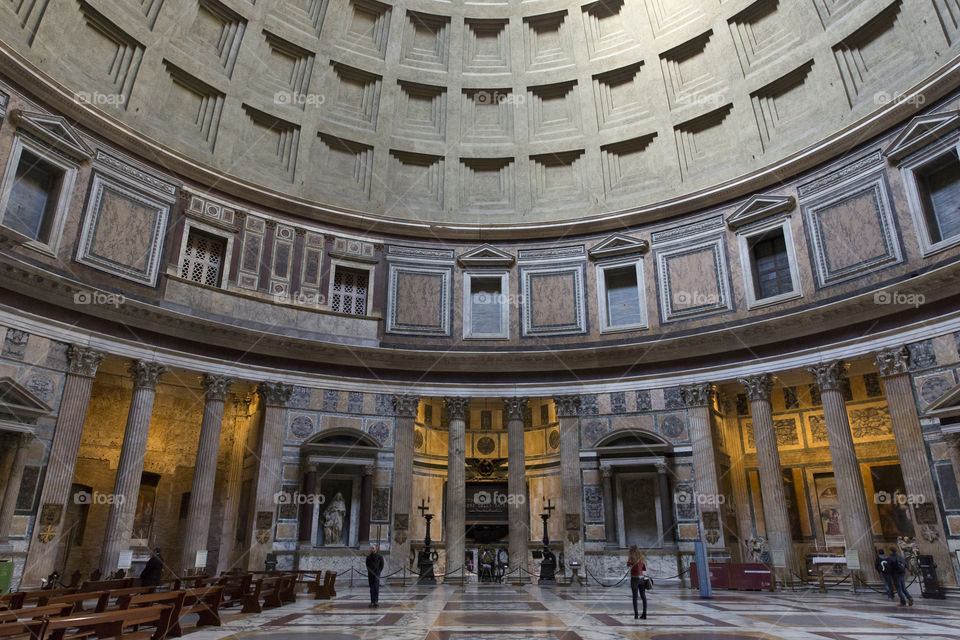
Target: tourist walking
{"x": 881, "y": 566}
{"x": 374, "y": 567}
{"x": 897, "y": 570}
{"x": 636, "y": 562}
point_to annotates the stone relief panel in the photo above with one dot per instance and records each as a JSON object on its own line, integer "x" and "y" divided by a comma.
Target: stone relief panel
{"x": 592, "y": 429}
{"x": 592, "y": 504}
{"x": 302, "y": 426}
{"x": 673, "y": 427}
{"x": 692, "y": 280}
{"x": 786, "y": 428}
{"x": 553, "y": 300}
{"x": 380, "y": 505}
{"x": 931, "y": 387}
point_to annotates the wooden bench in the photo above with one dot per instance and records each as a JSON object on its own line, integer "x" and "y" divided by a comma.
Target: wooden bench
{"x": 33, "y": 630}
{"x": 205, "y": 602}
{"x": 41, "y": 597}
{"x": 106, "y": 585}
{"x": 235, "y": 587}
{"x": 74, "y": 599}
{"x": 124, "y": 623}
{"x": 326, "y": 590}
{"x": 266, "y": 588}
{"x": 36, "y": 613}
{"x": 288, "y": 587}
{"x": 104, "y": 600}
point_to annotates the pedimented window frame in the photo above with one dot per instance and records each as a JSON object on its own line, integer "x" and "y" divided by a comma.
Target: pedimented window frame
{"x": 504, "y": 276}
{"x": 909, "y": 167}
{"x": 615, "y": 264}
{"x": 744, "y": 235}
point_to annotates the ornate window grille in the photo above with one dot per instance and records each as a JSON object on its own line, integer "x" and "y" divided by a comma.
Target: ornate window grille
{"x": 350, "y": 289}
{"x": 203, "y": 259}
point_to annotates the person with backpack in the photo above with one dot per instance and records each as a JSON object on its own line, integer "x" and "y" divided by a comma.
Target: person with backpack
{"x": 638, "y": 582}
{"x": 897, "y": 570}
{"x": 880, "y": 563}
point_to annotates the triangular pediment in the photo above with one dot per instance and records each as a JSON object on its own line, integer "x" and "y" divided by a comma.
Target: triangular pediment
{"x": 618, "y": 245}
{"x": 18, "y": 404}
{"x": 486, "y": 256}
{"x": 54, "y": 131}
{"x": 922, "y": 131}
{"x": 758, "y": 208}
{"x": 947, "y": 405}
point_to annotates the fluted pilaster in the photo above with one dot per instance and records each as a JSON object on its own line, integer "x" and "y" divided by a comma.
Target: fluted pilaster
{"x": 205, "y": 469}
{"x": 609, "y": 513}
{"x": 82, "y": 364}
{"x": 571, "y": 484}
{"x": 854, "y": 514}
{"x": 775, "y": 516}
{"x": 126, "y": 487}
{"x": 19, "y": 448}
{"x": 275, "y": 397}
{"x": 698, "y": 398}
{"x": 405, "y": 408}
{"x": 517, "y": 486}
{"x": 455, "y": 514}
{"x": 893, "y": 365}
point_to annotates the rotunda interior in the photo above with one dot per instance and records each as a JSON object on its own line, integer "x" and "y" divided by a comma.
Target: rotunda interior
{"x": 489, "y": 284}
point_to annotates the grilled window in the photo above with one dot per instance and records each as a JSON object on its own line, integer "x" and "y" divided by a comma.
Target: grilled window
{"x": 350, "y": 289}
{"x": 203, "y": 258}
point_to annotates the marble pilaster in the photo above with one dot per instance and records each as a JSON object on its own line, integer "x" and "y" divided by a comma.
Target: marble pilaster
{"x": 893, "y": 365}
{"x": 609, "y": 512}
{"x": 82, "y": 364}
{"x": 405, "y": 409}
{"x": 773, "y": 497}
{"x": 205, "y": 469}
{"x": 454, "y": 511}
{"x": 854, "y": 514}
{"x": 19, "y": 448}
{"x": 275, "y": 397}
{"x": 698, "y": 398}
{"x": 571, "y": 483}
{"x": 126, "y": 486}
{"x": 669, "y": 533}
{"x": 366, "y": 503}
{"x": 518, "y": 520}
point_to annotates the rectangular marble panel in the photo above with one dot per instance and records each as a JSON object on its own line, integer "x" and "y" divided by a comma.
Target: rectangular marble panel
{"x": 692, "y": 280}
{"x": 553, "y": 302}
{"x": 419, "y": 300}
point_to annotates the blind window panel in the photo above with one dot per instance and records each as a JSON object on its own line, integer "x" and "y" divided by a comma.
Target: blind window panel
{"x": 623, "y": 297}
{"x": 771, "y": 267}
{"x": 940, "y": 186}
{"x": 33, "y": 198}
{"x": 485, "y": 306}
{"x": 350, "y": 289}
{"x": 203, "y": 259}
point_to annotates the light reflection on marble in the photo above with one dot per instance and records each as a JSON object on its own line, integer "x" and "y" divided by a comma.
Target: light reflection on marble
{"x": 492, "y": 612}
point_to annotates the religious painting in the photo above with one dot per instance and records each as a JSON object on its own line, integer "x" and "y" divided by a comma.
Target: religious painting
{"x": 893, "y": 506}
{"x": 828, "y": 504}
{"x": 144, "y": 514}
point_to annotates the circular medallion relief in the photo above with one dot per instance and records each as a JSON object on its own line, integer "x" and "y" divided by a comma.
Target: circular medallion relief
{"x": 672, "y": 427}
{"x": 301, "y": 426}
{"x": 594, "y": 430}
{"x": 418, "y": 439}
{"x": 381, "y": 431}
{"x": 486, "y": 445}
{"x": 554, "y": 439}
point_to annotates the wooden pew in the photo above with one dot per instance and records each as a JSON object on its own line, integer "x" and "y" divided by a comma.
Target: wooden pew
{"x": 124, "y": 623}
{"x": 33, "y": 630}
{"x": 205, "y": 602}
{"x": 288, "y": 587}
{"x": 106, "y": 585}
{"x": 36, "y": 613}
{"x": 326, "y": 590}
{"x": 235, "y": 587}
{"x": 41, "y": 597}
{"x": 266, "y": 588}
{"x": 75, "y": 599}
{"x": 104, "y": 600}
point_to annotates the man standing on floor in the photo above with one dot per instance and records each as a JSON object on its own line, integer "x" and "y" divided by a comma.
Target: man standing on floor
{"x": 881, "y": 566}
{"x": 374, "y": 567}
{"x": 898, "y": 572}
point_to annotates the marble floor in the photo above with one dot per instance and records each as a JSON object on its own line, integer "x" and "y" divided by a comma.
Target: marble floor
{"x": 500, "y": 612}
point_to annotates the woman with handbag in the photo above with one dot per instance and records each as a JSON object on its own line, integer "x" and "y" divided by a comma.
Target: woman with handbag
{"x": 636, "y": 562}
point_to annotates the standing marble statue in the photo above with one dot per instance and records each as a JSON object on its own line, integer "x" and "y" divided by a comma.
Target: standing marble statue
{"x": 333, "y": 520}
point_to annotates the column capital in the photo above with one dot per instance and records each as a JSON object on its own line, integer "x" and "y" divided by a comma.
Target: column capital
{"x": 215, "y": 387}
{"x": 457, "y": 406}
{"x": 515, "y": 407}
{"x": 828, "y": 375}
{"x": 567, "y": 406}
{"x": 758, "y": 387}
{"x": 405, "y": 406}
{"x": 893, "y": 362}
{"x": 146, "y": 375}
{"x": 83, "y": 361}
{"x": 662, "y": 468}
{"x": 606, "y": 470}
{"x": 368, "y": 469}
{"x": 274, "y": 394}
{"x": 697, "y": 395}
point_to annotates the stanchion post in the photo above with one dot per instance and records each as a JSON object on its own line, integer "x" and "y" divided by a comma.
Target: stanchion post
{"x": 823, "y": 587}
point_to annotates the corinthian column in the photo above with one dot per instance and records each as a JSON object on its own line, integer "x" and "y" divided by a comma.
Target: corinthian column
{"x": 20, "y": 447}
{"x": 697, "y": 398}
{"x": 518, "y": 521}
{"x": 126, "y": 487}
{"x": 854, "y": 515}
{"x": 205, "y": 469}
{"x": 912, "y": 451}
{"x": 454, "y": 511}
{"x": 82, "y": 364}
{"x": 275, "y": 397}
{"x": 405, "y": 408}
{"x": 779, "y": 536}
{"x": 571, "y": 484}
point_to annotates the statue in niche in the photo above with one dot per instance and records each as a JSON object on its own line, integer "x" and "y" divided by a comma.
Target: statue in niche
{"x": 333, "y": 520}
